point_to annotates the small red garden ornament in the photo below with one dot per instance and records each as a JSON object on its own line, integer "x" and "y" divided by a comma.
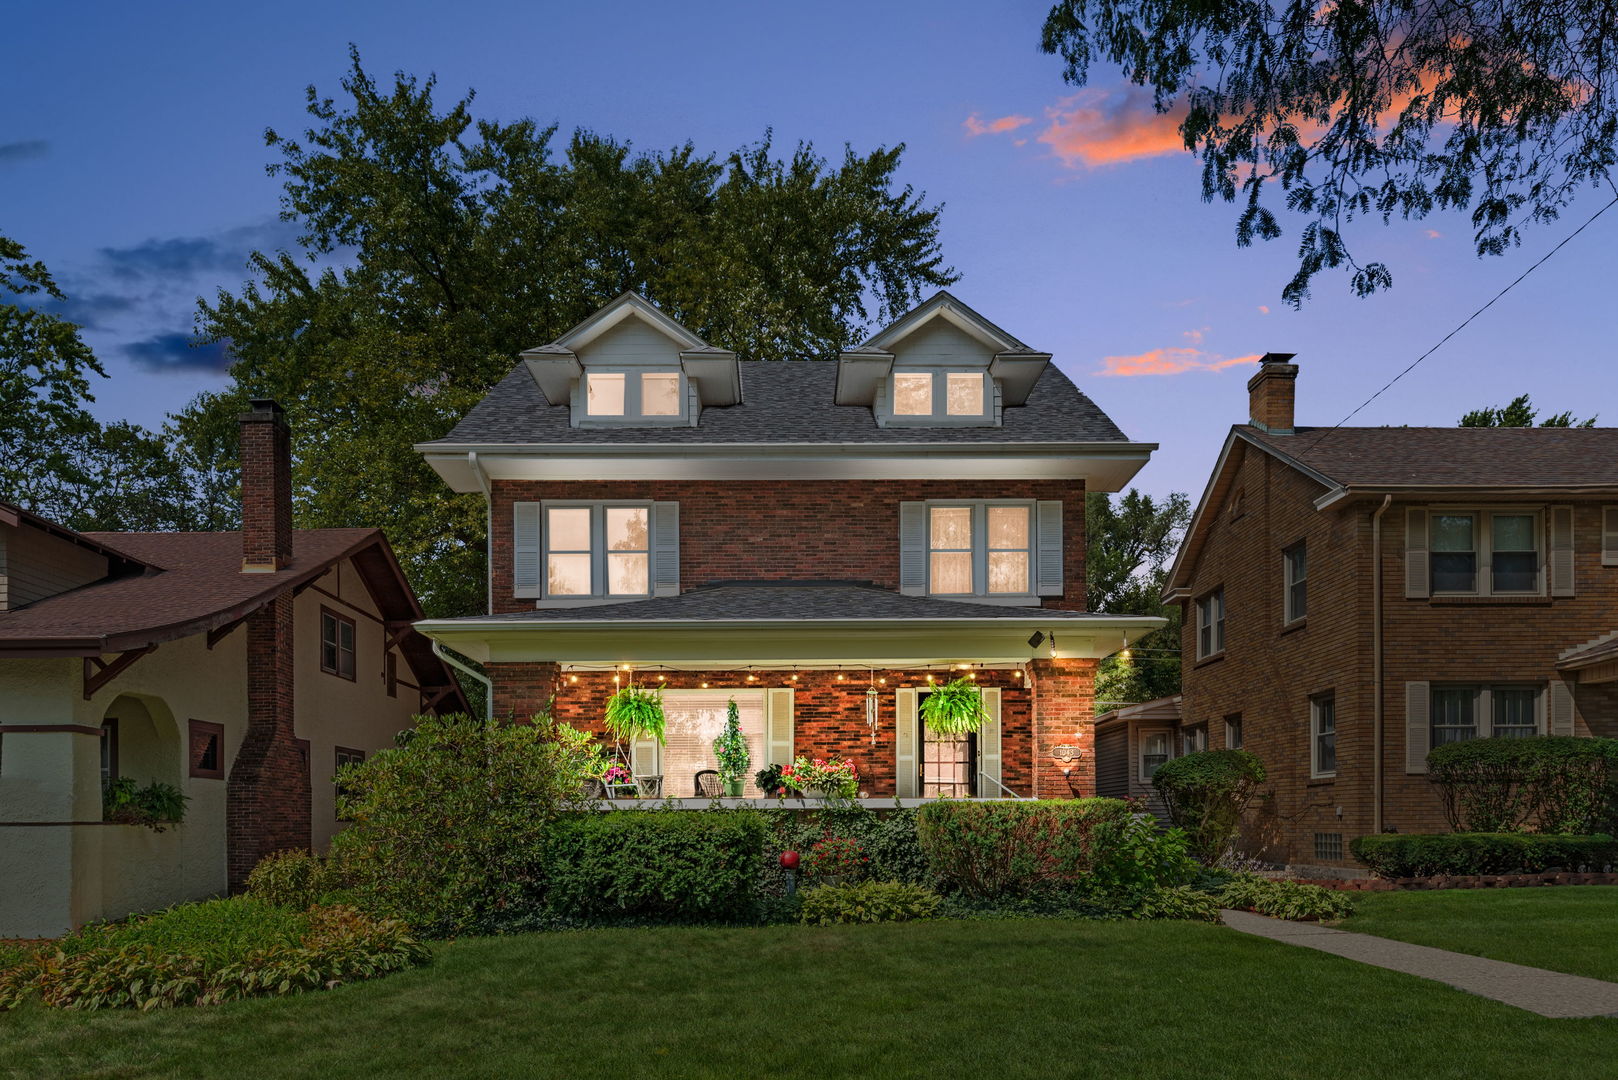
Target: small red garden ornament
{"x": 789, "y": 860}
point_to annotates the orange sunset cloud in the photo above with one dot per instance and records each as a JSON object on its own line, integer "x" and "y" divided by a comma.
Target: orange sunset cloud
{"x": 1104, "y": 127}
{"x": 976, "y": 126}
{"x": 1172, "y": 360}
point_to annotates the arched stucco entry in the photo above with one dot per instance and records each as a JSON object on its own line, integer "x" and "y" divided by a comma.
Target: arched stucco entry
{"x": 147, "y": 747}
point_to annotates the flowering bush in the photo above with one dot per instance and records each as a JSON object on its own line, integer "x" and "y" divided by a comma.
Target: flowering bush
{"x": 836, "y": 777}
{"x": 617, "y": 774}
{"x": 730, "y": 749}
{"x": 836, "y": 856}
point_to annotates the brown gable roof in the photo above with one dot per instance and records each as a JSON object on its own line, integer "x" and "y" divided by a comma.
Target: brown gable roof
{"x": 1450, "y": 457}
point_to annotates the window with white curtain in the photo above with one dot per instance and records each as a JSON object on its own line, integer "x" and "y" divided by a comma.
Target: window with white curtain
{"x": 597, "y": 550}
{"x": 693, "y": 719}
{"x": 980, "y": 549}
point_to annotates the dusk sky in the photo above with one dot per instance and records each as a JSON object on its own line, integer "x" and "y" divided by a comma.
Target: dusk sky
{"x": 132, "y": 162}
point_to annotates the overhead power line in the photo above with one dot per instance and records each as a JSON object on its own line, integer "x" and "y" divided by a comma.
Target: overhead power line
{"x": 1543, "y": 259}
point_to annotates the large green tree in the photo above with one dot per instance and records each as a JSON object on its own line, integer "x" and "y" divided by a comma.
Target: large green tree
{"x": 1129, "y": 544}
{"x": 56, "y": 458}
{"x": 1346, "y": 109}
{"x": 1520, "y": 413}
{"x": 436, "y": 245}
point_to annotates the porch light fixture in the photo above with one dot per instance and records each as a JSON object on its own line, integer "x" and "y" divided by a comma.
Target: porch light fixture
{"x": 572, "y": 678}
{"x": 872, "y": 707}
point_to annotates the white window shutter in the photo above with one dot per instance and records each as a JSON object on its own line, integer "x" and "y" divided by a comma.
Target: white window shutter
{"x": 778, "y": 726}
{"x": 1048, "y": 559}
{"x": 645, "y": 757}
{"x": 1609, "y": 536}
{"x": 1418, "y": 725}
{"x": 525, "y": 547}
{"x": 913, "y": 548}
{"x": 1561, "y": 709}
{"x": 1484, "y": 704}
{"x": 1561, "y": 560}
{"x": 666, "y": 549}
{"x": 989, "y": 755}
{"x": 1416, "y": 569}
{"x": 904, "y": 743}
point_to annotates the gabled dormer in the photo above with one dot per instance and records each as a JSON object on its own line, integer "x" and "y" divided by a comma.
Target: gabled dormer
{"x": 940, "y": 365}
{"x": 630, "y": 365}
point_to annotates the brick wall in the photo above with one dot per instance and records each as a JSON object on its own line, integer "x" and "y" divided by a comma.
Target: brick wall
{"x": 1269, "y": 670}
{"x": 828, "y": 713}
{"x": 789, "y": 529}
{"x": 267, "y": 795}
{"x": 1064, "y": 713}
{"x": 266, "y": 453}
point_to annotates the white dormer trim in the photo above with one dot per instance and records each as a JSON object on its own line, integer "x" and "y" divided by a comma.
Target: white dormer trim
{"x": 943, "y": 305}
{"x": 617, "y": 311}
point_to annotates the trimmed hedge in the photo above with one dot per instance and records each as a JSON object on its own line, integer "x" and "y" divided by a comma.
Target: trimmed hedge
{"x": 1567, "y": 784}
{"x": 207, "y": 953}
{"x": 867, "y": 902}
{"x": 1421, "y": 855}
{"x": 1206, "y": 792}
{"x": 652, "y": 866}
{"x": 999, "y": 850}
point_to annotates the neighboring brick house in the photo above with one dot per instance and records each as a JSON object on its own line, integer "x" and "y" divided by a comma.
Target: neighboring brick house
{"x": 240, "y": 667}
{"x": 818, "y": 540}
{"x": 1470, "y": 573}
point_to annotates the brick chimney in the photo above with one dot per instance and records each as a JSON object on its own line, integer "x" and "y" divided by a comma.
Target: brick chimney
{"x": 266, "y": 488}
{"x": 1271, "y": 393}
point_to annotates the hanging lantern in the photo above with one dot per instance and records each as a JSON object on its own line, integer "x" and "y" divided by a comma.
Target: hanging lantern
{"x": 872, "y": 715}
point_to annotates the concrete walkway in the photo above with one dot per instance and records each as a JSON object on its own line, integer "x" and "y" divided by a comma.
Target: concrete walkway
{"x": 1548, "y": 993}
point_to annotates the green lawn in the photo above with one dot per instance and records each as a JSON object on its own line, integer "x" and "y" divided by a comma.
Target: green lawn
{"x": 1571, "y": 928}
{"x": 986, "y": 999}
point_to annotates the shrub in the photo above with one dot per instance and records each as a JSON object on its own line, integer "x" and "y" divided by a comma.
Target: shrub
{"x": 154, "y": 806}
{"x": 293, "y": 879}
{"x": 1178, "y": 902}
{"x": 1206, "y": 792}
{"x": 888, "y": 837}
{"x": 203, "y": 954}
{"x": 836, "y": 856}
{"x": 652, "y": 866}
{"x": 1418, "y": 855}
{"x": 448, "y": 825}
{"x": 1285, "y": 899}
{"x": 867, "y": 902}
{"x": 988, "y": 850}
{"x": 1497, "y": 785}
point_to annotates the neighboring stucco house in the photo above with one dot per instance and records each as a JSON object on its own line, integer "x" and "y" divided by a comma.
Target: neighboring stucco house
{"x": 241, "y": 667}
{"x": 1356, "y": 596}
{"x": 815, "y": 539}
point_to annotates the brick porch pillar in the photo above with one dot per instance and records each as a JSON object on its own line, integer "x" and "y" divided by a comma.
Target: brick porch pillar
{"x": 1064, "y": 714}
{"x": 523, "y": 690}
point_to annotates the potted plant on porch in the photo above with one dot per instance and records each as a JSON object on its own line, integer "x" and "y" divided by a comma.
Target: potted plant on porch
{"x": 730, "y": 750}
{"x": 635, "y": 713}
{"x": 956, "y": 708}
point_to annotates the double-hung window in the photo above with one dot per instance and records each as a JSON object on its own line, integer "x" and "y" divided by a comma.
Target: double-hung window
{"x": 632, "y": 394}
{"x": 980, "y": 549}
{"x": 1295, "y": 561}
{"x": 1509, "y": 540}
{"x": 598, "y": 549}
{"x": 1323, "y": 735}
{"x": 1211, "y": 623}
{"x": 1154, "y": 752}
{"x": 943, "y": 393}
{"x": 1194, "y": 739}
{"x": 336, "y": 644}
{"x": 1460, "y": 713}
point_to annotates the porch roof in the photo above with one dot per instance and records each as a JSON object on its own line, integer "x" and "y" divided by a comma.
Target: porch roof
{"x": 789, "y": 622}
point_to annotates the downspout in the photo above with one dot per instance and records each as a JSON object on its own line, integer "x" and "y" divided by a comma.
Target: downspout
{"x": 488, "y": 526}
{"x": 1376, "y": 664}
{"x": 488, "y": 684}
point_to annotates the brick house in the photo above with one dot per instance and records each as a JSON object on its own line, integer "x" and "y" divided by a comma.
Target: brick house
{"x": 1355, "y": 596}
{"x": 818, "y": 540}
{"x": 239, "y": 667}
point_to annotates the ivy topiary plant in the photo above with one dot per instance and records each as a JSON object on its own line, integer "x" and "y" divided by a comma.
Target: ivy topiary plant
{"x": 956, "y": 708}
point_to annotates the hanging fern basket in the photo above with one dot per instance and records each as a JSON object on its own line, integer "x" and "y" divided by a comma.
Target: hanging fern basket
{"x": 956, "y": 708}
{"x": 635, "y": 713}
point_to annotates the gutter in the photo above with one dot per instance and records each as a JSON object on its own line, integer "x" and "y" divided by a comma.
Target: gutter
{"x": 1376, "y": 665}
{"x": 1438, "y": 491}
{"x": 488, "y": 523}
{"x": 1145, "y": 623}
{"x": 873, "y": 448}
{"x": 488, "y": 684}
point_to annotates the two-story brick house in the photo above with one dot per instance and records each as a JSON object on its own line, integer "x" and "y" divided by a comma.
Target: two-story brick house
{"x": 819, "y": 540}
{"x": 1355, "y": 596}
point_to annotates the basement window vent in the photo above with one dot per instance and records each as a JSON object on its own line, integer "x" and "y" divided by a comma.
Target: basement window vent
{"x": 1328, "y": 845}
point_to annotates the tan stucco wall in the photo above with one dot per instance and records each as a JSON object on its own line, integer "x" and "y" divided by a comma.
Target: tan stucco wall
{"x": 59, "y": 875}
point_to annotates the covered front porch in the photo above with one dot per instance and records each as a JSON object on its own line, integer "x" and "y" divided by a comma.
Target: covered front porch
{"x": 818, "y": 670}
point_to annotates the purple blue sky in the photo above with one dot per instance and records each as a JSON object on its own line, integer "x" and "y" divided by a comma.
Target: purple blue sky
{"x": 132, "y": 162}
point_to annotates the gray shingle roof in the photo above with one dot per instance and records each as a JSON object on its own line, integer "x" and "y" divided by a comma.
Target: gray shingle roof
{"x": 783, "y": 402}
{"x": 1452, "y": 456}
{"x": 802, "y": 601}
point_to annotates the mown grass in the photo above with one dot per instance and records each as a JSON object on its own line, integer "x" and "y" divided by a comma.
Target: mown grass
{"x": 1004, "y": 999}
{"x": 1571, "y": 928}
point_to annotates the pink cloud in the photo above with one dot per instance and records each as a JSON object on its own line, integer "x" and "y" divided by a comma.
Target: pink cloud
{"x": 975, "y": 126}
{"x": 1104, "y": 127}
{"x": 1264, "y": 309}
{"x": 1434, "y": 234}
{"x": 1194, "y": 337}
{"x": 1172, "y": 360}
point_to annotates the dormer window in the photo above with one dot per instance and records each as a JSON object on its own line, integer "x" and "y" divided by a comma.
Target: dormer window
{"x": 913, "y": 393}
{"x": 945, "y": 393}
{"x": 628, "y": 394}
{"x": 965, "y": 396}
